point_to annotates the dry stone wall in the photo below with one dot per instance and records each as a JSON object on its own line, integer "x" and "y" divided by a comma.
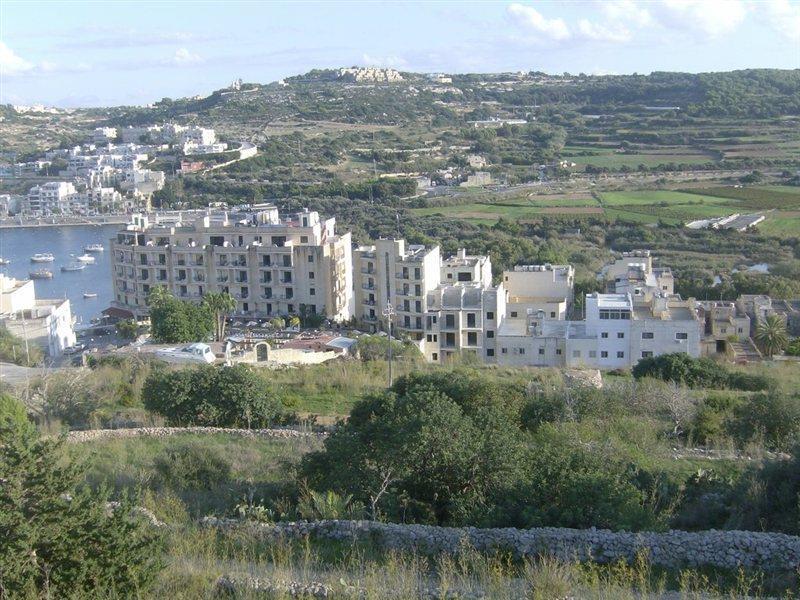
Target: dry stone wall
{"x": 280, "y": 433}
{"x": 672, "y": 549}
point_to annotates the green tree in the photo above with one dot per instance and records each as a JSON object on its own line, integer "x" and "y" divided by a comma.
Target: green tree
{"x": 771, "y": 335}
{"x": 277, "y": 323}
{"x": 173, "y": 321}
{"x": 128, "y": 329}
{"x": 212, "y": 396}
{"x": 294, "y": 321}
{"x": 220, "y": 304}
{"x": 58, "y": 539}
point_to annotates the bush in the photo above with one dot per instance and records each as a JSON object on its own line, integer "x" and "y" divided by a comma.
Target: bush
{"x": 679, "y": 367}
{"x": 376, "y": 347}
{"x": 13, "y": 350}
{"x": 767, "y": 498}
{"x": 57, "y": 538}
{"x": 212, "y": 396}
{"x": 191, "y": 466}
{"x": 773, "y": 418}
{"x": 13, "y": 413}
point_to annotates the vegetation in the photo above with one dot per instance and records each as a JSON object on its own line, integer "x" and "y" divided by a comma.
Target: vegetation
{"x": 16, "y": 350}
{"x": 173, "y": 321}
{"x": 704, "y": 372}
{"x": 57, "y": 538}
{"x": 216, "y": 396}
{"x": 220, "y": 305}
{"x": 771, "y": 335}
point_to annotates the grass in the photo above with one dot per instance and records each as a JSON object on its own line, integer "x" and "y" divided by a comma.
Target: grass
{"x": 615, "y": 161}
{"x": 660, "y": 197}
{"x": 782, "y": 223}
{"x": 258, "y": 467}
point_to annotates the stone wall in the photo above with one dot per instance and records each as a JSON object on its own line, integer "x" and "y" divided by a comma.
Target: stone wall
{"x": 281, "y": 433}
{"x": 673, "y": 549}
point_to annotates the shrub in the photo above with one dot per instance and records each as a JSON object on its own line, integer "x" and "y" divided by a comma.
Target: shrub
{"x": 775, "y": 417}
{"x": 191, "y": 466}
{"x": 679, "y": 367}
{"x": 14, "y": 350}
{"x": 212, "y": 396}
{"x": 57, "y": 538}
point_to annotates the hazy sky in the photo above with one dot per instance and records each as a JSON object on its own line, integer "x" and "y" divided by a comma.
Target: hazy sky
{"x": 102, "y": 53}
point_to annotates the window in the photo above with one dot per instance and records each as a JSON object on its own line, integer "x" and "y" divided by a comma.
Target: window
{"x": 541, "y": 351}
{"x": 490, "y": 334}
{"x": 604, "y": 335}
{"x": 489, "y": 316}
{"x": 429, "y": 338}
{"x": 472, "y": 338}
{"x": 303, "y": 239}
{"x": 522, "y": 350}
{"x": 604, "y": 354}
{"x": 620, "y": 335}
{"x": 681, "y": 335}
{"x": 576, "y": 354}
{"x": 592, "y": 353}
{"x": 513, "y": 314}
{"x": 449, "y": 321}
{"x": 470, "y": 319}
{"x": 503, "y": 350}
{"x": 311, "y": 274}
{"x": 465, "y": 276}
{"x": 647, "y": 354}
{"x": 647, "y": 335}
{"x": 435, "y": 356}
{"x": 312, "y": 292}
{"x": 490, "y": 352}
{"x": 311, "y": 258}
{"x": 552, "y": 314}
{"x": 620, "y": 354}
{"x": 558, "y": 351}
{"x": 416, "y": 273}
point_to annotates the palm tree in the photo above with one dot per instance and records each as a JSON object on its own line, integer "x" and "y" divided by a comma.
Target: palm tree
{"x": 294, "y": 321}
{"x": 220, "y": 304}
{"x": 771, "y": 334}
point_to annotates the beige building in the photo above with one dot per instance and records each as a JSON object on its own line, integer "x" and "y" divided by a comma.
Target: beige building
{"x": 389, "y": 272}
{"x": 270, "y": 265}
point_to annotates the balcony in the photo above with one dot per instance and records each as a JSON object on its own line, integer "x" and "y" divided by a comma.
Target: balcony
{"x": 199, "y": 278}
{"x": 369, "y": 319}
{"x": 368, "y": 286}
{"x": 368, "y": 271}
{"x": 222, "y": 279}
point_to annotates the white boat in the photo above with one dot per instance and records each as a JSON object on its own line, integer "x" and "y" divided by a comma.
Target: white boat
{"x": 192, "y": 354}
{"x": 90, "y": 294}
{"x": 41, "y": 274}
{"x": 43, "y": 257}
{"x": 86, "y": 258}
{"x": 93, "y": 248}
{"x": 4, "y": 262}
{"x": 73, "y": 267}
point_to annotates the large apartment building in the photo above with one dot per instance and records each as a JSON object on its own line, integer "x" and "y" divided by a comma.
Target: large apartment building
{"x": 271, "y": 266}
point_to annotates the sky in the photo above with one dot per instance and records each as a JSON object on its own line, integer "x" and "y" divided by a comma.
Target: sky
{"x": 68, "y": 54}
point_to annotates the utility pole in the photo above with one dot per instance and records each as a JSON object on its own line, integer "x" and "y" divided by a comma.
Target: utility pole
{"x": 388, "y": 312}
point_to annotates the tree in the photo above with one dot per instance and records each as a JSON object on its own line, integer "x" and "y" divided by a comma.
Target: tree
{"x": 58, "y": 539}
{"x": 771, "y": 335}
{"x": 294, "y": 321}
{"x": 173, "y": 321}
{"x": 423, "y": 451}
{"x": 220, "y": 304}
{"x": 212, "y": 396}
{"x": 128, "y": 329}
{"x": 277, "y": 323}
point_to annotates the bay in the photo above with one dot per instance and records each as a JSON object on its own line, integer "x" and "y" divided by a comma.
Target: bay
{"x": 65, "y": 243}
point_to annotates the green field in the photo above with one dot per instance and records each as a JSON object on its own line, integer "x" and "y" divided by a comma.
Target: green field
{"x": 781, "y": 223}
{"x": 661, "y": 197}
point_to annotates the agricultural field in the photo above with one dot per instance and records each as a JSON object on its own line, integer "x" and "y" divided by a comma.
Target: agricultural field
{"x": 612, "y": 158}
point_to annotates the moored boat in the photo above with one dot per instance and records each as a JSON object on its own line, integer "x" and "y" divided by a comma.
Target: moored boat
{"x": 93, "y": 248}
{"x": 4, "y": 262}
{"x": 41, "y": 274}
{"x": 73, "y": 267}
{"x": 86, "y": 258}
{"x": 43, "y": 257}
{"x": 90, "y": 294}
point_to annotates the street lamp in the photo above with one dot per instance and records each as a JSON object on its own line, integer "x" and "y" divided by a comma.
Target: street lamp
{"x": 388, "y": 312}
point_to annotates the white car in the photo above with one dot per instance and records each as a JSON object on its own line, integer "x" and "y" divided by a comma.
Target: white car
{"x": 193, "y": 353}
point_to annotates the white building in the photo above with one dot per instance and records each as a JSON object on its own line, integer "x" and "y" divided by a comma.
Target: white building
{"x": 104, "y": 135}
{"x": 46, "y": 323}
{"x": 50, "y": 197}
{"x": 271, "y": 266}
{"x": 479, "y": 179}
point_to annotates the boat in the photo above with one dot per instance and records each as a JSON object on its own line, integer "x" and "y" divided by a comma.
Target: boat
{"x": 193, "y": 353}
{"x": 94, "y": 248}
{"x": 73, "y": 267}
{"x": 43, "y": 257}
{"x": 4, "y": 262}
{"x": 41, "y": 274}
{"x": 86, "y": 258}
{"x": 90, "y": 294}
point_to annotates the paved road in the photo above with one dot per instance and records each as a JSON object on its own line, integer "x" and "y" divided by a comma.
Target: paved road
{"x": 16, "y": 375}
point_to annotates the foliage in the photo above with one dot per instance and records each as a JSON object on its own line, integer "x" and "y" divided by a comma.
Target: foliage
{"x": 13, "y": 413}
{"x": 314, "y": 506}
{"x": 128, "y": 329}
{"x": 212, "y": 396}
{"x": 191, "y": 465}
{"x": 219, "y": 304}
{"x": 57, "y": 539}
{"x": 771, "y": 335}
{"x": 14, "y": 350}
{"x": 422, "y": 451}
{"x": 176, "y": 322}
{"x": 376, "y": 347}
{"x": 772, "y": 417}
{"x": 679, "y": 367}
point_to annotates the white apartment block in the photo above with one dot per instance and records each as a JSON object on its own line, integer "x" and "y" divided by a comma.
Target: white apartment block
{"x": 271, "y": 266}
{"x": 46, "y": 323}
{"x": 634, "y": 273}
{"x": 51, "y": 197}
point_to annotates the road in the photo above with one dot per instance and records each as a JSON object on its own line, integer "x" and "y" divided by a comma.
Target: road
{"x": 11, "y": 374}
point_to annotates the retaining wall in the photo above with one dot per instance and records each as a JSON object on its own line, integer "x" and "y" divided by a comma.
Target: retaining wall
{"x": 673, "y": 549}
{"x": 282, "y": 433}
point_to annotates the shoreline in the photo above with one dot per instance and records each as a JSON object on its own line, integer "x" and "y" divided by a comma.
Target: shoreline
{"x": 110, "y": 220}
